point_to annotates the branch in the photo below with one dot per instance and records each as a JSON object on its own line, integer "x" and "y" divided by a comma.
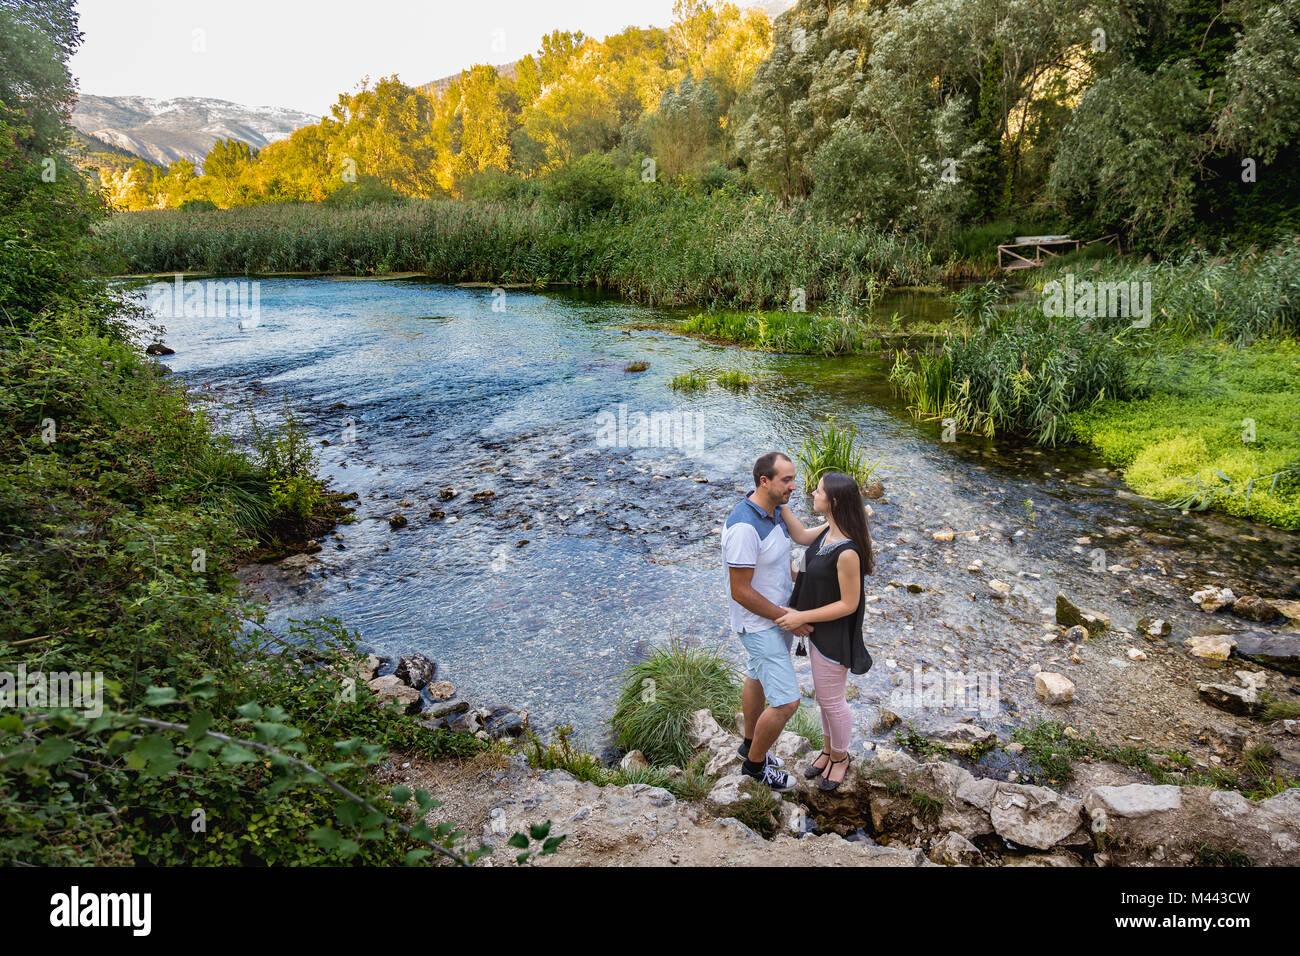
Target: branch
{"x": 328, "y": 780}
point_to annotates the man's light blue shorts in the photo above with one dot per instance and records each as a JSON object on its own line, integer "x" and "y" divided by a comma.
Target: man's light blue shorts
{"x": 770, "y": 664}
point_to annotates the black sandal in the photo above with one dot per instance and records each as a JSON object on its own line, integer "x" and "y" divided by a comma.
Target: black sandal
{"x": 827, "y": 784}
{"x": 812, "y": 770}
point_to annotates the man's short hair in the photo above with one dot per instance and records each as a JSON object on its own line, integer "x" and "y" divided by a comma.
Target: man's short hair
{"x": 765, "y": 467}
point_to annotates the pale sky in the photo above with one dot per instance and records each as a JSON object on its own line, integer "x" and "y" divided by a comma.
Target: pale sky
{"x": 301, "y": 55}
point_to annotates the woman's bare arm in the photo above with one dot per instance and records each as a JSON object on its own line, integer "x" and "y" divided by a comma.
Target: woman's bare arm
{"x": 798, "y": 533}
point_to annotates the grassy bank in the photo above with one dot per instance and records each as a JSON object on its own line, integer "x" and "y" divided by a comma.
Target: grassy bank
{"x": 1198, "y": 406}
{"x": 1220, "y": 431}
{"x": 665, "y": 247}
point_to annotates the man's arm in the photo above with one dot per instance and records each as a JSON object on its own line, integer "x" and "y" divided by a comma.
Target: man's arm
{"x": 743, "y": 593}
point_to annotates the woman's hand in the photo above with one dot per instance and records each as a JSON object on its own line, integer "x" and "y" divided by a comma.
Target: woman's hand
{"x": 795, "y": 528}
{"x": 791, "y": 620}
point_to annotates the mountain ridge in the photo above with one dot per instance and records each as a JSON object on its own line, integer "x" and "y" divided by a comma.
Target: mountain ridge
{"x": 184, "y": 127}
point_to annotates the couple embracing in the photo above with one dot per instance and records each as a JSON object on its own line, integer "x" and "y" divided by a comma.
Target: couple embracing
{"x": 822, "y": 605}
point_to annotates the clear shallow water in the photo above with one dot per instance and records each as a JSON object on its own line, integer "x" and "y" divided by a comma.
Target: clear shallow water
{"x": 621, "y": 547}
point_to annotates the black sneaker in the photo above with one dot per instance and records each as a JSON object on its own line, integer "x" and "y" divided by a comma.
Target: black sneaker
{"x": 772, "y": 777}
{"x": 771, "y": 761}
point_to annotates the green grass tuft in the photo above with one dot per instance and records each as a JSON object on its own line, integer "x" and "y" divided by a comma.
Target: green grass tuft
{"x": 661, "y": 694}
{"x": 833, "y": 449}
{"x": 692, "y": 381}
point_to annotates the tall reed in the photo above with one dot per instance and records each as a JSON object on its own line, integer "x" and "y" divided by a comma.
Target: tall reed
{"x": 664, "y": 248}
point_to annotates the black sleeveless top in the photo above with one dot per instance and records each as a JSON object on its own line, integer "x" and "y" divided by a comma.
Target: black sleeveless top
{"x": 840, "y": 640}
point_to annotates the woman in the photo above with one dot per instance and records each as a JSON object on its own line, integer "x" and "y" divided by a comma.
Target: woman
{"x": 828, "y": 594}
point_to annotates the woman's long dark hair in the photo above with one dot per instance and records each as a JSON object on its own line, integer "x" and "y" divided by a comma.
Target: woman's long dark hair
{"x": 849, "y": 514}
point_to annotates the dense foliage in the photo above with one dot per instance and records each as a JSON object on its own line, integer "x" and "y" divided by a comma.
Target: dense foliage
{"x": 1198, "y": 407}
{"x": 1162, "y": 120}
{"x": 146, "y": 716}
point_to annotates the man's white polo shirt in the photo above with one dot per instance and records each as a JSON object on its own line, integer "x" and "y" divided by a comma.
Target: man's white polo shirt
{"x": 753, "y": 539}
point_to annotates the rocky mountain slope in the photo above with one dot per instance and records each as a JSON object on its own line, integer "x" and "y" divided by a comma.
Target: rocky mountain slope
{"x": 164, "y": 131}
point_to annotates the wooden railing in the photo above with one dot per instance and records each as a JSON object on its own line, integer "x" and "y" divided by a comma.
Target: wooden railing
{"x": 1045, "y": 246}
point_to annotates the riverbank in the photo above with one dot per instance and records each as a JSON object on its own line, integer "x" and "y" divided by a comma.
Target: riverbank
{"x": 1184, "y": 374}
{"x": 123, "y": 518}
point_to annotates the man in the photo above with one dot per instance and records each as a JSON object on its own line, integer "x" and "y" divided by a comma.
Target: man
{"x": 756, "y": 550}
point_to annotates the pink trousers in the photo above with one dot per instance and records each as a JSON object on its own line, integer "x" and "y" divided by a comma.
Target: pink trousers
{"x": 829, "y": 680}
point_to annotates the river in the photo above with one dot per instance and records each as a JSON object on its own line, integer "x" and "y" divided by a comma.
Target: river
{"x": 592, "y": 550}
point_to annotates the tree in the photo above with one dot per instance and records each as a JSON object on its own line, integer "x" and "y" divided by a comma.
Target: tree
{"x": 227, "y": 163}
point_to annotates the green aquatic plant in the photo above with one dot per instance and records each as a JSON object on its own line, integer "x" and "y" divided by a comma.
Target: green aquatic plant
{"x": 833, "y": 449}
{"x": 798, "y": 333}
{"x": 734, "y": 380}
{"x": 692, "y": 381}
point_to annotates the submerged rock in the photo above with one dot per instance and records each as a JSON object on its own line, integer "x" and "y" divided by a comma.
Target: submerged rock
{"x": 1153, "y": 627}
{"x": 1069, "y": 614}
{"x": 1278, "y": 651}
{"x": 1256, "y": 609}
{"x": 962, "y": 738}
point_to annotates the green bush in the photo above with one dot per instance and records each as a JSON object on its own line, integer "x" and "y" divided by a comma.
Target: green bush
{"x": 660, "y": 695}
{"x": 496, "y": 185}
{"x": 562, "y": 754}
{"x": 366, "y": 191}
{"x": 197, "y": 205}
{"x": 590, "y": 184}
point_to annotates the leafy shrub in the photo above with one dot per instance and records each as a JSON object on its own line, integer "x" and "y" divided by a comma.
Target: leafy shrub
{"x": 496, "y": 185}
{"x": 366, "y": 191}
{"x": 591, "y": 184}
{"x": 562, "y": 754}
{"x": 197, "y": 205}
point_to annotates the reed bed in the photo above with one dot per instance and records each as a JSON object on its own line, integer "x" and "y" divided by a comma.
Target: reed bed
{"x": 662, "y": 248}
